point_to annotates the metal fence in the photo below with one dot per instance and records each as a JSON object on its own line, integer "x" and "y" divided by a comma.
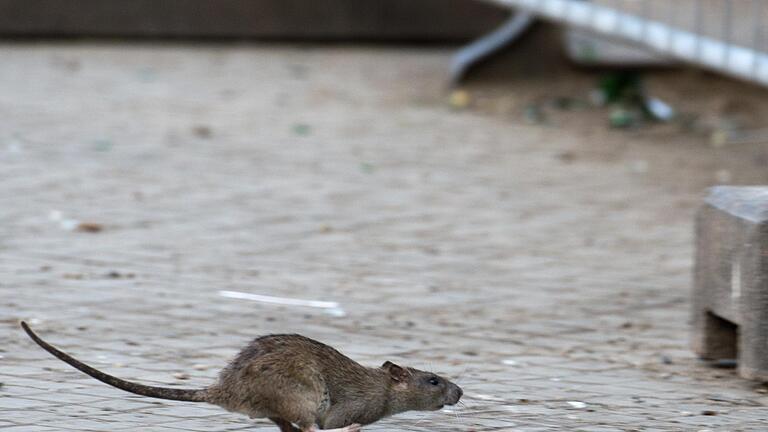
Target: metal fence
{"x": 729, "y": 36}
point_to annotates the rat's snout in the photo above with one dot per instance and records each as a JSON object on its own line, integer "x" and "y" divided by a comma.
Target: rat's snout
{"x": 455, "y": 394}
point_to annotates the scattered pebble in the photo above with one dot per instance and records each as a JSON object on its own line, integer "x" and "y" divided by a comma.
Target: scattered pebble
{"x": 666, "y": 360}
{"x": 566, "y": 156}
{"x": 719, "y": 138}
{"x": 202, "y": 131}
{"x": 510, "y": 362}
{"x": 366, "y": 167}
{"x": 302, "y": 129}
{"x": 298, "y": 71}
{"x": 709, "y": 413}
{"x": 431, "y": 250}
{"x": 621, "y": 118}
{"x": 102, "y": 145}
{"x": 67, "y": 64}
{"x": 146, "y": 74}
{"x": 459, "y": 99}
{"x": 181, "y": 376}
{"x": 577, "y": 404}
{"x": 90, "y": 227}
{"x": 200, "y": 367}
{"x": 117, "y": 275}
{"x": 534, "y": 114}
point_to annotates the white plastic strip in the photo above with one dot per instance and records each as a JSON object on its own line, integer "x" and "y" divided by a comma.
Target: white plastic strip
{"x": 280, "y": 300}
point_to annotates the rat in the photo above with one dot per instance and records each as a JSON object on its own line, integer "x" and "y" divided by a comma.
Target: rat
{"x": 294, "y": 380}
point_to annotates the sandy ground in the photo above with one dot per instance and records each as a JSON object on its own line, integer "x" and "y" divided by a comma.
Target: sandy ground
{"x": 543, "y": 263}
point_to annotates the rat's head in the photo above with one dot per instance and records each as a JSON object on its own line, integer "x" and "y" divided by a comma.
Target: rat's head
{"x": 414, "y": 389}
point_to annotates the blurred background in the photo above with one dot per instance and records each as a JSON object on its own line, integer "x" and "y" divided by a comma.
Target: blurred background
{"x": 501, "y": 191}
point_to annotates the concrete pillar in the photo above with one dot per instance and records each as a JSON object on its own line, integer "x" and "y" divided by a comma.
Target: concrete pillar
{"x": 730, "y": 293}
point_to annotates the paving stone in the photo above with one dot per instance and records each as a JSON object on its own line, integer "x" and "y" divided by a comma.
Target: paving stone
{"x": 433, "y": 229}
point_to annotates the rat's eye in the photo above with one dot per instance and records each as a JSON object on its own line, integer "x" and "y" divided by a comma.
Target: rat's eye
{"x": 434, "y": 381}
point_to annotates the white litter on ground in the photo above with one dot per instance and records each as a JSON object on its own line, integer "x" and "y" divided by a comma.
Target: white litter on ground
{"x": 332, "y": 308}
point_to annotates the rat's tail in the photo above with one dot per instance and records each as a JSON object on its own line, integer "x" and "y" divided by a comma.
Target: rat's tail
{"x": 139, "y": 389}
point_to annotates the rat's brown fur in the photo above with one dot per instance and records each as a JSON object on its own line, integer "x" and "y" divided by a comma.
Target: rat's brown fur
{"x": 292, "y": 379}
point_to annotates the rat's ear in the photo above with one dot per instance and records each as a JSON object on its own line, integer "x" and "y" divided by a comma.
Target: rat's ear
{"x": 397, "y": 373}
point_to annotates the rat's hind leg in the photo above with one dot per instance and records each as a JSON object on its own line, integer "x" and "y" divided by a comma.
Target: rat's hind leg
{"x": 285, "y": 426}
{"x": 350, "y": 428}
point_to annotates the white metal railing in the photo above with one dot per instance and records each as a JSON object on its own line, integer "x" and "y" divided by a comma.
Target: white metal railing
{"x": 723, "y": 35}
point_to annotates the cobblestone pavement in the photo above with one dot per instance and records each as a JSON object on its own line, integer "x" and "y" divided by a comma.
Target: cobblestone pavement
{"x": 551, "y": 284}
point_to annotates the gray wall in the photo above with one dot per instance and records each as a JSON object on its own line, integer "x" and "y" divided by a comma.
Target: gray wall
{"x": 265, "y": 19}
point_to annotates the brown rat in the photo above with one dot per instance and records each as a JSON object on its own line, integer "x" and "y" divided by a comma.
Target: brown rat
{"x": 295, "y": 380}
